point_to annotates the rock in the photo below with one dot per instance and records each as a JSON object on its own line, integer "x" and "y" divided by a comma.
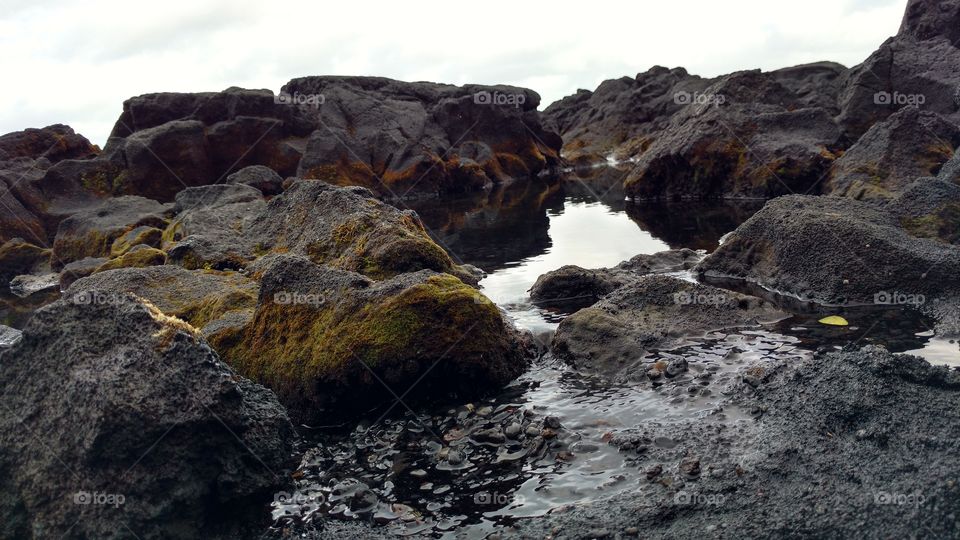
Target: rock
{"x": 26, "y": 285}
{"x": 79, "y": 269}
{"x": 834, "y": 250}
{"x": 610, "y": 337}
{"x": 690, "y": 467}
{"x": 676, "y": 367}
{"x": 910, "y": 143}
{"x": 513, "y": 430}
{"x": 92, "y": 232}
{"x": 53, "y": 143}
{"x": 916, "y": 67}
{"x": 552, "y": 422}
{"x": 346, "y": 228}
{"x": 120, "y": 418}
{"x": 325, "y": 338}
{"x": 211, "y": 228}
{"x": 140, "y": 256}
{"x": 8, "y": 336}
{"x": 16, "y": 221}
{"x": 18, "y": 256}
{"x": 578, "y": 286}
{"x": 929, "y": 208}
{"x": 143, "y": 235}
{"x": 749, "y": 137}
{"x": 263, "y": 178}
{"x": 399, "y": 138}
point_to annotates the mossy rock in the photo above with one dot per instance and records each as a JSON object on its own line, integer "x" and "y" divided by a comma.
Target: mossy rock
{"x": 140, "y": 257}
{"x": 148, "y": 236}
{"x": 18, "y": 256}
{"x": 325, "y": 338}
{"x": 199, "y": 297}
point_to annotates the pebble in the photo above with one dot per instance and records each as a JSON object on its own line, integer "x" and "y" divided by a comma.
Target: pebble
{"x": 631, "y": 531}
{"x": 513, "y": 430}
{"x": 654, "y": 472}
{"x": 454, "y": 458}
{"x": 676, "y": 367}
{"x": 548, "y": 434}
{"x": 598, "y": 533}
{"x": 552, "y": 422}
{"x": 690, "y": 467}
{"x": 484, "y": 411}
{"x": 418, "y": 473}
{"x": 532, "y": 431}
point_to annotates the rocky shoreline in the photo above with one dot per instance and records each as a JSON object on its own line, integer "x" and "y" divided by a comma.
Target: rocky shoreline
{"x": 236, "y": 269}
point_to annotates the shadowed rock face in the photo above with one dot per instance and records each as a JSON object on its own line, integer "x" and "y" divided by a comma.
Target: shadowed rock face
{"x": 409, "y": 138}
{"x": 53, "y": 143}
{"x": 115, "y": 399}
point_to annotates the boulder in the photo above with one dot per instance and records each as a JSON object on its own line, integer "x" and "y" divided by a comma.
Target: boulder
{"x": 92, "y": 232}
{"x": 143, "y": 235}
{"x": 835, "y": 250}
{"x": 331, "y": 341}
{"x": 79, "y": 269}
{"x": 9, "y": 336}
{"x": 929, "y": 208}
{"x": 16, "y": 221}
{"x": 346, "y": 228}
{"x": 910, "y": 143}
{"x": 139, "y": 256}
{"x": 54, "y": 143}
{"x": 402, "y": 138}
{"x": 573, "y": 285}
{"x": 18, "y": 256}
{"x": 915, "y": 67}
{"x": 27, "y": 284}
{"x": 263, "y": 178}
{"x": 121, "y": 420}
{"x": 656, "y": 311}
{"x": 747, "y": 135}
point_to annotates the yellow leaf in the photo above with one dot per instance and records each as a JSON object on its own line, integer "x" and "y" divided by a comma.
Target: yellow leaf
{"x": 834, "y": 320}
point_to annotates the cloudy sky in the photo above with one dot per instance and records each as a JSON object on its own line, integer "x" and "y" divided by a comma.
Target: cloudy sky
{"x": 75, "y": 62}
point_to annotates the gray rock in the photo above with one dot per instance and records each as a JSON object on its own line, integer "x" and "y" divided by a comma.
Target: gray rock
{"x": 929, "y": 208}
{"x": 610, "y": 337}
{"x": 80, "y": 269}
{"x": 909, "y": 144}
{"x": 26, "y": 285}
{"x": 259, "y": 176}
{"x": 119, "y": 418}
{"x": 8, "y": 336}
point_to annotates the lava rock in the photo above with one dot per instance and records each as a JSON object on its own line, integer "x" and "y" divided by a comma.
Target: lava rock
{"x": 261, "y": 177}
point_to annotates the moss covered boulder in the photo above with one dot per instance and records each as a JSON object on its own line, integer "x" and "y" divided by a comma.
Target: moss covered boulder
{"x": 198, "y": 297}
{"x": 18, "y": 256}
{"x": 143, "y": 235}
{"x": 93, "y": 231}
{"x": 347, "y": 228}
{"x": 139, "y": 257}
{"x": 330, "y": 341}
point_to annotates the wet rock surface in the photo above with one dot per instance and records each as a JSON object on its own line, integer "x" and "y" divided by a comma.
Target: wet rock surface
{"x": 107, "y": 405}
{"x": 656, "y": 311}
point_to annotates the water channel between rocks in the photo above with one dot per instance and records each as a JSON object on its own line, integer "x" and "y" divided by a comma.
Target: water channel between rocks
{"x": 463, "y": 471}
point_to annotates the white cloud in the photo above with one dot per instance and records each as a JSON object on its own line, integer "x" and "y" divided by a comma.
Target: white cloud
{"x": 75, "y": 62}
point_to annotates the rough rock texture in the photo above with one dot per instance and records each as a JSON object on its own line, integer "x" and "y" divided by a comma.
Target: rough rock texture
{"x": 110, "y": 400}
{"x": 8, "y": 336}
{"x": 54, "y": 143}
{"x": 917, "y": 66}
{"x": 198, "y": 297}
{"x": 751, "y": 137}
{"x": 26, "y": 285}
{"x": 347, "y": 228}
{"x": 910, "y": 143}
{"x": 619, "y": 113}
{"x": 655, "y": 311}
{"x": 929, "y": 208}
{"x": 263, "y": 178}
{"x": 401, "y": 138}
{"x": 92, "y": 232}
{"x": 849, "y": 444}
{"x": 834, "y": 250}
{"x": 581, "y": 286}
{"x": 327, "y": 340}
{"x": 18, "y": 256}
{"x": 80, "y": 269}
{"x": 143, "y": 235}
{"x": 140, "y": 256}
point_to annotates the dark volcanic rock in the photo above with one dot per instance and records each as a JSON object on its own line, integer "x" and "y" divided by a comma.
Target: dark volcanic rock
{"x": 929, "y": 208}
{"x": 119, "y": 418}
{"x": 656, "y": 311}
{"x": 850, "y": 444}
{"x": 401, "y": 138}
{"x": 581, "y": 286}
{"x": 54, "y": 143}
{"x": 916, "y": 67}
{"x": 747, "y": 135}
{"x": 263, "y": 178}
{"x": 327, "y": 340}
{"x": 910, "y": 143}
{"x": 835, "y": 250}
{"x": 91, "y": 232}
{"x": 80, "y": 269}
{"x": 20, "y": 257}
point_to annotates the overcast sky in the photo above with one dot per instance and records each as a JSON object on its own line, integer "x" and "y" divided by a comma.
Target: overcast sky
{"x": 75, "y": 62}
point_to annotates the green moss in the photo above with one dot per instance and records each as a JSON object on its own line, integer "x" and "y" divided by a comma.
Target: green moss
{"x": 149, "y": 236}
{"x": 140, "y": 258}
{"x": 944, "y": 224}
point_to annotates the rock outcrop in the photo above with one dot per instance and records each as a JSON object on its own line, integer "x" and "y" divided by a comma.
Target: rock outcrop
{"x": 119, "y": 419}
